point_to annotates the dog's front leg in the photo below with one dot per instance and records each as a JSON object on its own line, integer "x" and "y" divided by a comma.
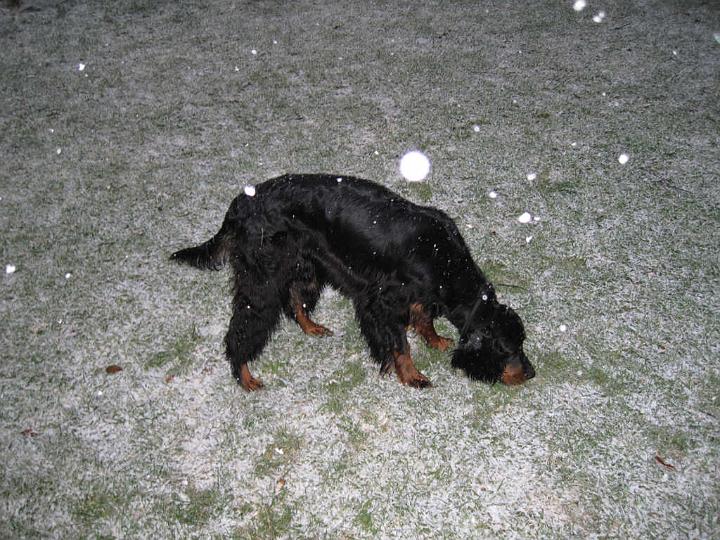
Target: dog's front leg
{"x": 422, "y": 322}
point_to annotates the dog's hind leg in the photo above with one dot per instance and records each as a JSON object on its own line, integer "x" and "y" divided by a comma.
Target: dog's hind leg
{"x": 422, "y": 322}
{"x": 250, "y": 329}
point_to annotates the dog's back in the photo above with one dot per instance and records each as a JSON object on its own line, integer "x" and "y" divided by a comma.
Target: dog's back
{"x": 354, "y": 218}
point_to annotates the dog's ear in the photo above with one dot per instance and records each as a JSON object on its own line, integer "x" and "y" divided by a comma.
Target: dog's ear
{"x": 482, "y": 311}
{"x": 473, "y": 356}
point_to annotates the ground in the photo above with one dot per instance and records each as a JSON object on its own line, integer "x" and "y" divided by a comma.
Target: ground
{"x": 126, "y": 127}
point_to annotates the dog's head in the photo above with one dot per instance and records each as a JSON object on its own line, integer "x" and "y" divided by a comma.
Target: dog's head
{"x": 491, "y": 344}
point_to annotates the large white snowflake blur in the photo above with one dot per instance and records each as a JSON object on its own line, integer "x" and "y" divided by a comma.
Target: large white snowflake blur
{"x": 414, "y": 166}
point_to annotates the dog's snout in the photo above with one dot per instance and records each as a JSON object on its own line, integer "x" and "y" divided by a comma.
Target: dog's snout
{"x": 529, "y": 371}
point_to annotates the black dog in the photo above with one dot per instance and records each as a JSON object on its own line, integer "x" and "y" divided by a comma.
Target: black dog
{"x": 402, "y": 265}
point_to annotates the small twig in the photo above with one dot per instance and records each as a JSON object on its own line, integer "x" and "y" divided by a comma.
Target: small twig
{"x": 512, "y": 286}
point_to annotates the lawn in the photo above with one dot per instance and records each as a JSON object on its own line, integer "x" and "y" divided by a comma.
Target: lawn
{"x": 126, "y": 127}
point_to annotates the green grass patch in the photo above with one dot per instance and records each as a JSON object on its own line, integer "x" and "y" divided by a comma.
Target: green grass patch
{"x": 178, "y": 356}
{"x": 341, "y": 383}
{"x": 279, "y": 453}
{"x": 198, "y": 506}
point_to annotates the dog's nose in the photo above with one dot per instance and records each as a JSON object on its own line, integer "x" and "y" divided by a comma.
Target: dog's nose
{"x": 529, "y": 371}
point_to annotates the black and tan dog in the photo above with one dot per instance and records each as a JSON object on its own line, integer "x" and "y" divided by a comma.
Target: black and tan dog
{"x": 402, "y": 265}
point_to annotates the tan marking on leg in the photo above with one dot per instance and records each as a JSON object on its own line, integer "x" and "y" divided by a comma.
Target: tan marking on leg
{"x": 307, "y": 325}
{"x": 247, "y": 381}
{"x": 408, "y": 373}
{"x": 423, "y": 325}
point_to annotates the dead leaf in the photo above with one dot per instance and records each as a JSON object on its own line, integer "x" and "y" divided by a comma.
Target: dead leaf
{"x": 29, "y": 432}
{"x": 665, "y": 464}
{"x": 112, "y": 369}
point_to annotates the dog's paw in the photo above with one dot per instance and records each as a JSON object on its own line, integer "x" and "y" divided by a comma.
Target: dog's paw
{"x": 252, "y": 384}
{"x": 318, "y": 331}
{"x": 440, "y": 343}
{"x": 419, "y": 382}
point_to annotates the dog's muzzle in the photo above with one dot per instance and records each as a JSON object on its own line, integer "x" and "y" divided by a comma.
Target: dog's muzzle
{"x": 517, "y": 371}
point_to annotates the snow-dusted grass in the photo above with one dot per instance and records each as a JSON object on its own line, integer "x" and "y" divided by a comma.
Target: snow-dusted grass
{"x": 178, "y": 107}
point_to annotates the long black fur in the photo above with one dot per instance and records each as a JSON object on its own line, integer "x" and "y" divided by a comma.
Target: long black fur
{"x": 300, "y": 233}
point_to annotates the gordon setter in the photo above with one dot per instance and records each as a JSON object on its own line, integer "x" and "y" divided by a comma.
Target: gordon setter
{"x": 401, "y": 264}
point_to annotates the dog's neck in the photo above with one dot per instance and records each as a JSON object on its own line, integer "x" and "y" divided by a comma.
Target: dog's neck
{"x": 470, "y": 295}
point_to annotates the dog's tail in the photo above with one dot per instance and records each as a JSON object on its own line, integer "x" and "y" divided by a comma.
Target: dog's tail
{"x": 210, "y": 255}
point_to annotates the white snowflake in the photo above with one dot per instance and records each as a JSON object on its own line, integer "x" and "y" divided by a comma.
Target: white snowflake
{"x": 414, "y": 166}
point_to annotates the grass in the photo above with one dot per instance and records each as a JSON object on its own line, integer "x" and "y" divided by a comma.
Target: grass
{"x": 173, "y": 114}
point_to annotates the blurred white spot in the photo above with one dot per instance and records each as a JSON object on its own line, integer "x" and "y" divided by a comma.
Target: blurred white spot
{"x": 476, "y": 128}
{"x": 492, "y": 195}
{"x": 99, "y": 393}
{"x": 531, "y": 176}
{"x": 675, "y": 53}
{"x": 249, "y": 191}
{"x": 68, "y": 275}
{"x": 376, "y": 153}
{"x": 623, "y": 159}
{"x": 253, "y": 52}
{"x": 599, "y": 17}
{"x": 525, "y": 217}
{"x": 536, "y": 218}
{"x": 414, "y": 166}
{"x": 81, "y": 67}
{"x": 573, "y": 144}
{"x": 58, "y": 151}
{"x": 274, "y": 41}
{"x": 528, "y": 239}
{"x": 563, "y": 328}
{"x": 10, "y": 269}
{"x": 51, "y": 130}
{"x": 716, "y": 35}
{"x": 237, "y": 69}
{"x": 339, "y": 180}
{"x": 579, "y": 5}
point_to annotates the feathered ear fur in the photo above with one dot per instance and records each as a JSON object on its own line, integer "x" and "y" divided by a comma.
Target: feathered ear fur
{"x": 474, "y": 356}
